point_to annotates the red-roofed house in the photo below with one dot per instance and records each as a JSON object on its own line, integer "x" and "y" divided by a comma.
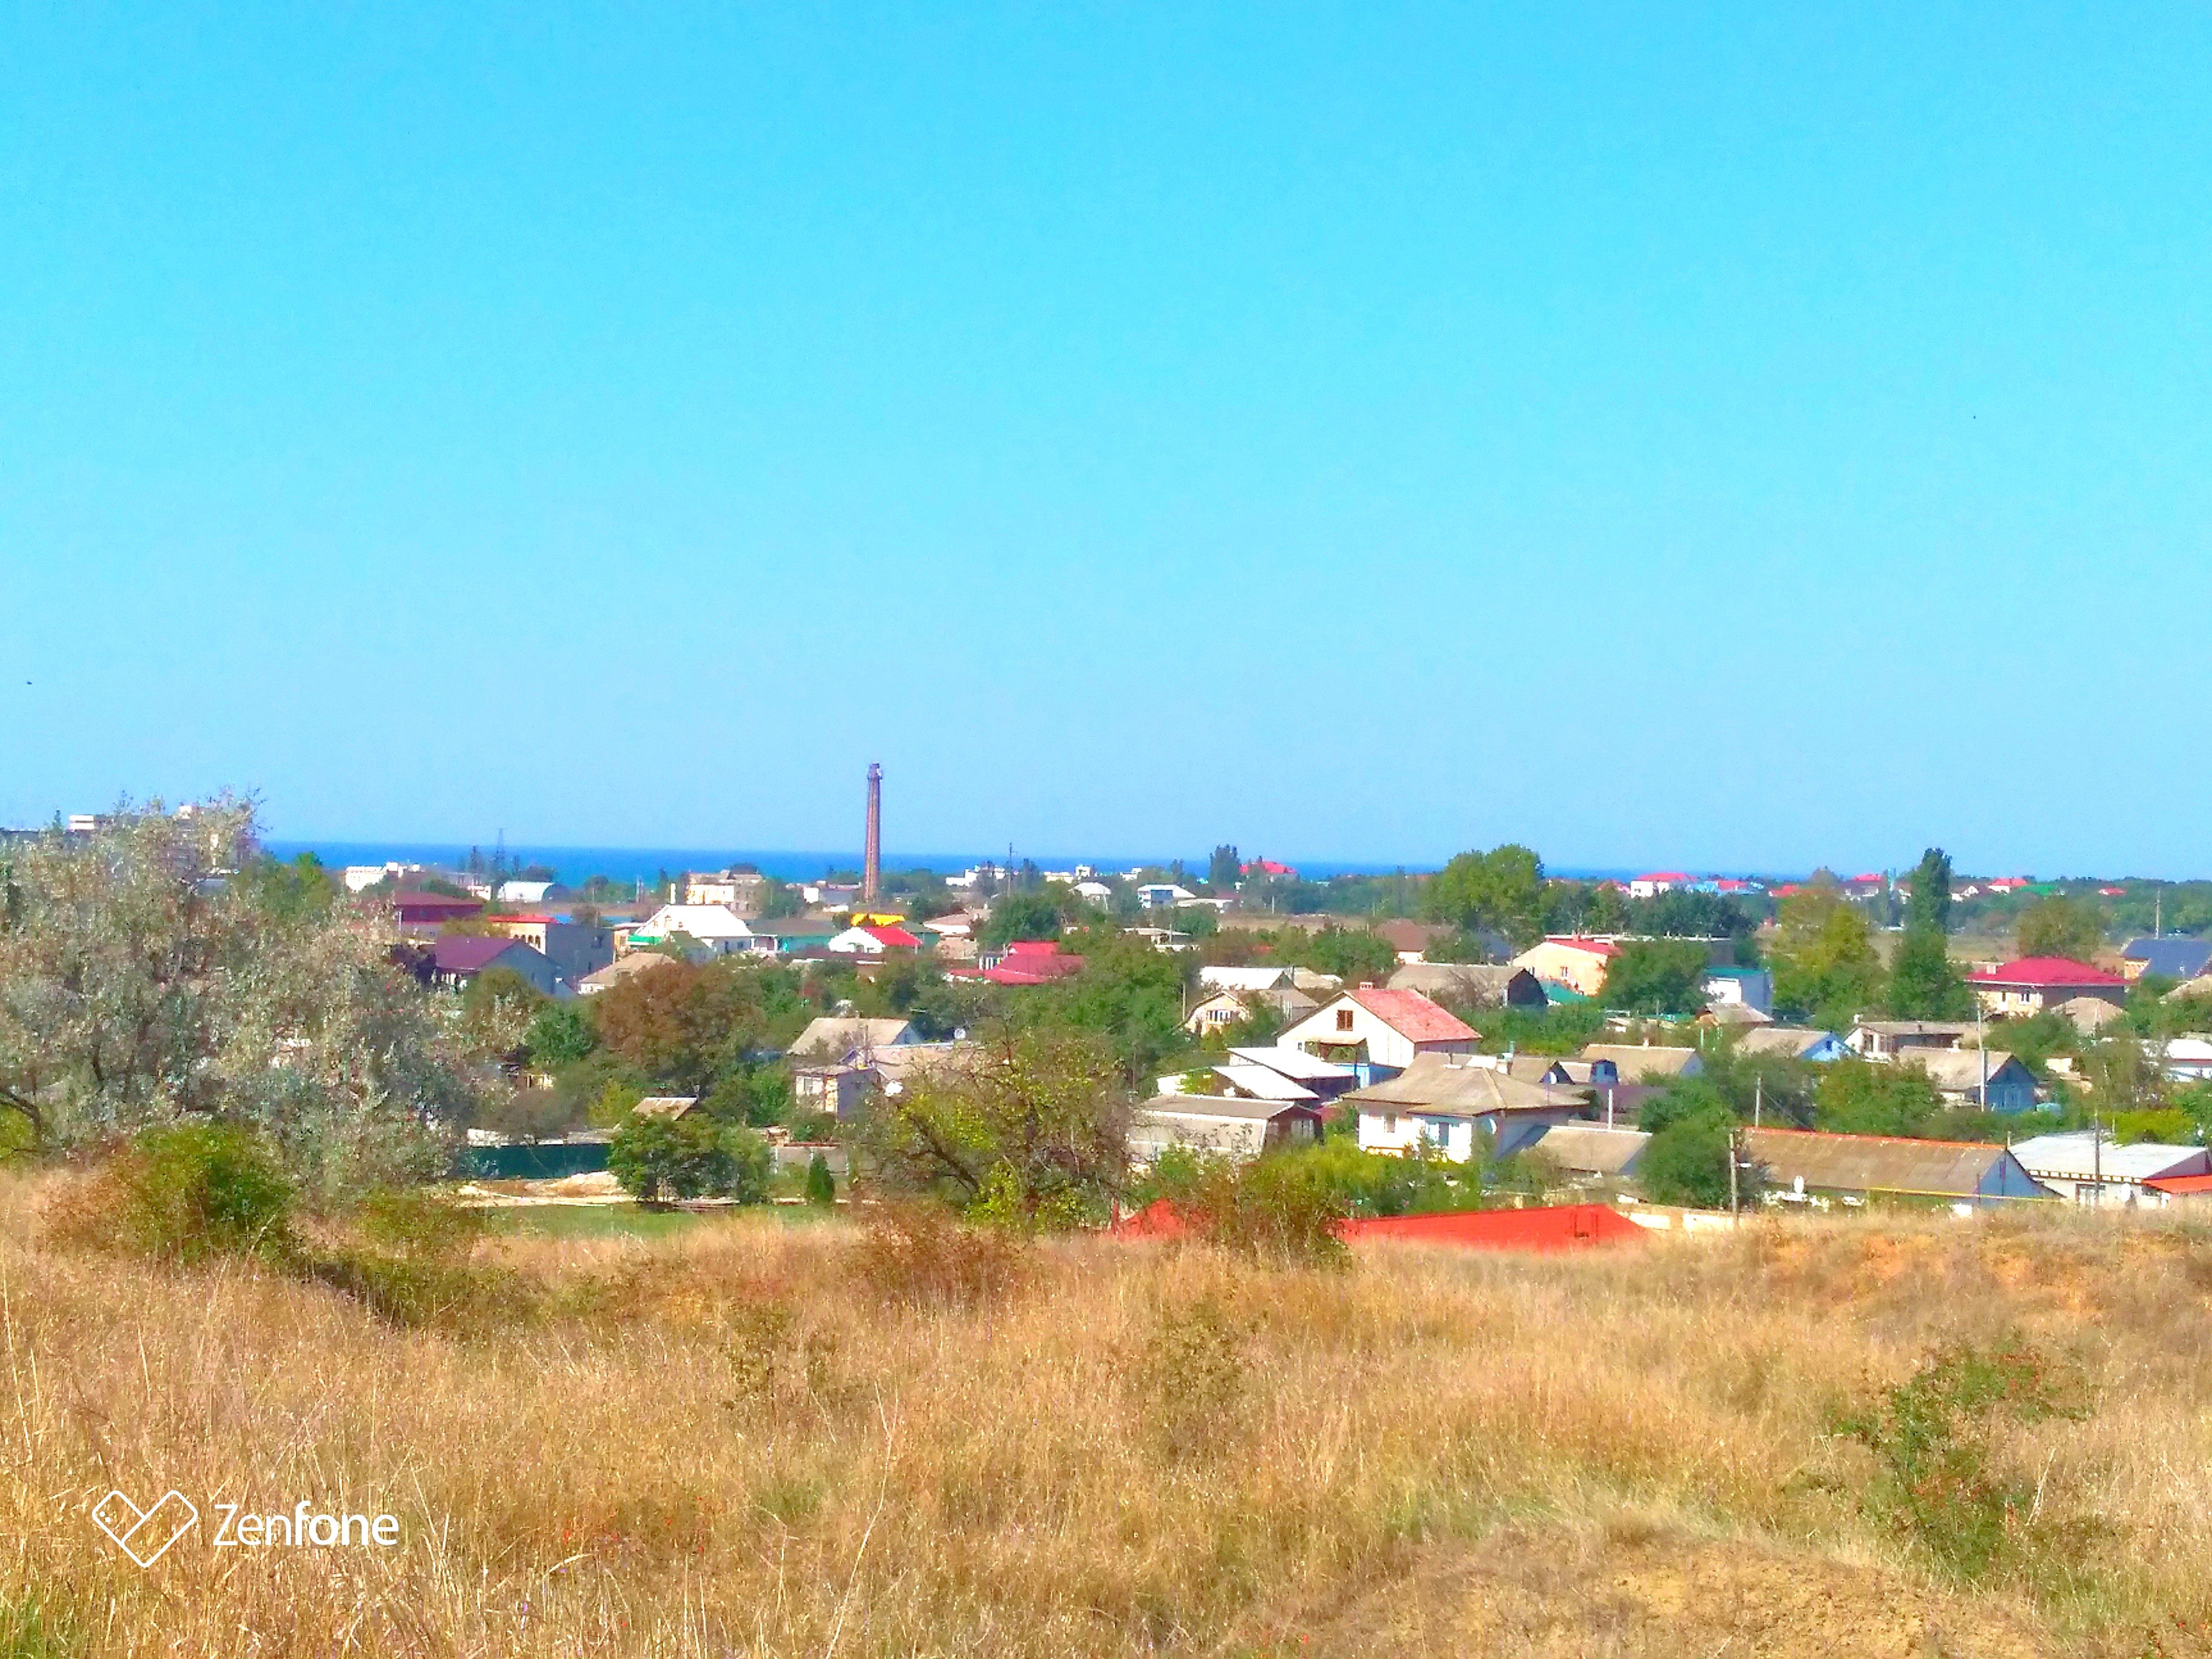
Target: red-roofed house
{"x": 874, "y": 941}
{"x": 1578, "y": 963}
{"x": 1033, "y": 962}
{"x": 457, "y": 958}
{"x": 1658, "y": 882}
{"x": 1384, "y": 1027}
{"x": 1267, "y": 867}
{"x": 431, "y": 909}
{"x": 2034, "y": 983}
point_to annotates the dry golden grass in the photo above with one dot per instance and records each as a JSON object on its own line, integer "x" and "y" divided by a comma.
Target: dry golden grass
{"x": 731, "y": 1441}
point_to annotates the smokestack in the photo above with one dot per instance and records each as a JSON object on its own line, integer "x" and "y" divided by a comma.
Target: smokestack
{"x": 871, "y": 858}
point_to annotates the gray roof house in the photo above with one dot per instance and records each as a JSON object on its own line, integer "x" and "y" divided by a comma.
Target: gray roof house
{"x": 2175, "y": 958}
{"x": 1801, "y": 1164}
{"x": 1978, "y": 1077}
{"x": 1472, "y": 984}
{"x": 1589, "y": 1149}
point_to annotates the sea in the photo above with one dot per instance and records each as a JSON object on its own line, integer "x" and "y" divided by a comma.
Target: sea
{"x": 576, "y": 864}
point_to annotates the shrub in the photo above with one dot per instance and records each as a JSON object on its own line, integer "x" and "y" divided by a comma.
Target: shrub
{"x": 821, "y": 1185}
{"x": 657, "y": 1160}
{"x": 196, "y": 1190}
{"x": 1688, "y": 1162}
{"x": 1279, "y": 1208}
{"x": 410, "y": 1222}
{"x": 1191, "y": 1375}
{"x": 1932, "y": 1436}
{"x": 920, "y": 1253}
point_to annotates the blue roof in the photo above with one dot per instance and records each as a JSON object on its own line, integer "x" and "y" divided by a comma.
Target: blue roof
{"x": 2176, "y": 958}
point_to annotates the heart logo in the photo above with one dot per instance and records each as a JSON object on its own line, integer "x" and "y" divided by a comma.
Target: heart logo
{"x": 134, "y": 1530}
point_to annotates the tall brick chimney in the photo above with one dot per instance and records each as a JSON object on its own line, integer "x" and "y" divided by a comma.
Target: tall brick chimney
{"x": 871, "y": 858}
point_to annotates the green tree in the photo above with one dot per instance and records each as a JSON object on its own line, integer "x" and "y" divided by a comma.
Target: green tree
{"x": 821, "y": 1185}
{"x": 1857, "y": 1098}
{"x": 1929, "y": 905}
{"x": 1657, "y": 976}
{"x": 1502, "y": 889}
{"x": 1225, "y": 869}
{"x": 1023, "y": 916}
{"x": 559, "y": 1034}
{"x": 1923, "y": 983}
{"x": 657, "y": 1159}
{"x": 2056, "y": 926}
{"x": 1035, "y": 1132}
{"x": 1686, "y": 1161}
{"x": 1826, "y": 967}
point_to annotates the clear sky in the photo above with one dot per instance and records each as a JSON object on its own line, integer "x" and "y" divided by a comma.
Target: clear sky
{"x": 1725, "y": 438}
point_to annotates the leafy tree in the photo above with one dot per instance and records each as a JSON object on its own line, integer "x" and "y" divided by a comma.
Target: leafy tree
{"x": 1036, "y": 1131}
{"x": 1657, "y": 976}
{"x": 1826, "y": 967}
{"x": 1024, "y": 915}
{"x": 1686, "y": 1161}
{"x": 532, "y": 1113}
{"x": 1222, "y": 873}
{"x": 498, "y": 1009}
{"x": 657, "y": 1160}
{"x": 1929, "y": 906}
{"x": 2059, "y": 927}
{"x": 1353, "y": 954}
{"x": 1923, "y": 983}
{"x": 1128, "y": 996}
{"x": 683, "y": 1026}
{"x": 559, "y": 1034}
{"x": 299, "y": 891}
{"x": 1502, "y": 889}
{"x": 1857, "y": 1098}
{"x": 140, "y": 983}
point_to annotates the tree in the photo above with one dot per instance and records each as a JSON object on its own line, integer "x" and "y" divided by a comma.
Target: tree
{"x": 1353, "y": 954}
{"x": 1502, "y": 889}
{"x": 1223, "y": 873}
{"x": 1929, "y": 905}
{"x": 1128, "y": 996}
{"x": 1857, "y": 1098}
{"x": 1825, "y": 963}
{"x": 821, "y": 1185}
{"x": 1023, "y": 915}
{"x": 498, "y": 1010}
{"x": 559, "y": 1034}
{"x": 681, "y": 1026}
{"x": 1688, "y": 1162}
{"x": 1036, "y": 1129}
{"x": 140, "y": 983}
{"x": 2055, "y": 925}
{"x": 1657, "y": 976}
{"x": 657, "y": 1159}
{"x": 1923, "y": 984}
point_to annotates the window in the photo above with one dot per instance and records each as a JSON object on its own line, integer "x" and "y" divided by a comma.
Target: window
{"x": 1391, "y": 1125}
{"x": 1344, "y": 1020}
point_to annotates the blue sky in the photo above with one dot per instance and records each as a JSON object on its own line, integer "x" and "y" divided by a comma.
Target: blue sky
{"x": 1726, "y": 438}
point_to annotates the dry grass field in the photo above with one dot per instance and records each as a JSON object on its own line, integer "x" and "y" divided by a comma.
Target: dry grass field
{"x": 748, "y": 1438}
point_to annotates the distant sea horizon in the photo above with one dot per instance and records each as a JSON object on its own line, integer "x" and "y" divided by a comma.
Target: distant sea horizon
{"x": 575, "y": 865}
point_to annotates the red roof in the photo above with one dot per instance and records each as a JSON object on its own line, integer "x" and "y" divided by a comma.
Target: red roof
{"x": 505, "y": 916}
{"x": 1033, "y": 971}
{"x": 1265, "y": 868}
{"x": 1870, "y": 878}
{"x": 1666, "y": 875}
{"x": 2112, "y": 892}
{"x": 1413, "y": 1015}
{"x": 1596, "y": 947}
{"x": 2040, "y": 971}
{"x": 471, "y": 953}
{"x": 431, "y": 901}
{"x": 1033, "y": 947}
{"x": 2179, "y": 1184}
{"x": 896, "y": 937}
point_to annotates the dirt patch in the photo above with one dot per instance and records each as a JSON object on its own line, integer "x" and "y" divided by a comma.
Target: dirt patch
{"x": 1554, "y": 1593}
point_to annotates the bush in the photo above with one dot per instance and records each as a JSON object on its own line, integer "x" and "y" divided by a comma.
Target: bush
{"x": 408, "y": 1222}
{"x": 921, "y": 1254}
{"x": 1281, "y": 1209}
{"x": 1192, "y": 1374}
{"x": 657, "y": 1159}
{"x": 1933, "y": 1434}
{"x": 1688, "y": 1162}
{"x": 197, "y": 1190}
{"x": 821, "y": 1185}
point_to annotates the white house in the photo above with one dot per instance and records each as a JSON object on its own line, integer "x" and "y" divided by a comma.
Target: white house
{"x": 1243, "y": 979}
{"x": 2087, "y": 1168}
{"x": 715, "y": 925}
{"x": 1445, "y": 1105}
{"x": 1740, "y": 987}
{"x": 1095, "y": 892}
{"x": 1658, "y": 882}
{"x": 1162, "y": 895}
{"x": 873, "y": 941}
{"x": 1384, "y": 1027}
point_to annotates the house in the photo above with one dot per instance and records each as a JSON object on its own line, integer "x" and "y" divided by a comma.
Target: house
{"x": 1658, "y": 882}
{"x": 623, "y": 967}
{"x": 1243, "y": 979}
{"x": 457, "y": 959}
{"x": 2089, "y": 1015}
{"x": 523, "y": 892}
{"x": 2172, "y": 958}
{"x": 1647, "y": 1062}
{"x": 840, "y": 1036}
{"x": 667, "y": 1107}
{"x": 2031, "y": 984}
{"x": 1095, "y": 892}
{"x": 1325, "y": 1079}
{"x": 1267, "y": 868}
{"x": 1162, "y": 895}
{"x": 575, "y": 950}
{"x": 792, "y": 937}
{"x": 1472, "y": 984}
{"x": 1988, "y": 1078}
{"x": 832, "y": 1088}
{"x": 1220, "y": 1125}
{"x": 1896, "y": 1039}
{"x": 1793, "y": 1042}
{"x": 1445, "y": 1104}
{"x": 1589, "y": 1149}
{"x": 1805, "y": 1165}
{"x": 1576, "y": 962}
{"x": 2189, "y": 1191}
{"x": 431, "y": 909}
{"x": 741, "y": 892}
{"x": 1029, "y": 962}
{"x": 1739, "y": 988}
{"x": 2087, "y": 1167}
{"x": 1226, "y": 1008}
{"x": 1410, "y": 938}
{"x": 875, "y": 940}
{"x": 716, "y": 927}
{"x": 1380, "y": 1028}
{"x": 2188, "y": 1058}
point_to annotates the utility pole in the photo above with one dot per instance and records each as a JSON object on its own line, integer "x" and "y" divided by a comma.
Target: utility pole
{"x": 1732, "y": 1195}
{"x": 1758, "y": 1096}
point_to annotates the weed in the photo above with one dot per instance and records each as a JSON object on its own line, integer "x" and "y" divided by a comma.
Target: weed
{"x": 187, "y": 1193}
{"x": 1933, "y": 1437}
{"x": 919, "y": 1254}
{"x": 1192, "y": 1374}
{"x": 412, "y": 1223}
{"x": 28, "y": 1630}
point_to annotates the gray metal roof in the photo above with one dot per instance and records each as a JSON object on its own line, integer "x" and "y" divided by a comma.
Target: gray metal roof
{"x": 2176, "y": 958}
{"x": 1873, "y": 1164}
{"x": 1590, "y": 1148}
{"x": 2071, "y": 1157}
{"x": 1435, "y": 1084}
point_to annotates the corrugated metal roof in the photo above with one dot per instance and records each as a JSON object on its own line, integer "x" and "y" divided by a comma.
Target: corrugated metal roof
{"x": 1262, "y": 1082}
{"x": 1878, "y": 1164}
{"x": 1636, "y": 1062}
{"x": 2072, "y": 1157}
{"x": 1298, "y": 1063}
{"x": 1590, "y": 1148}
{"x": 1444, "y": 1083}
